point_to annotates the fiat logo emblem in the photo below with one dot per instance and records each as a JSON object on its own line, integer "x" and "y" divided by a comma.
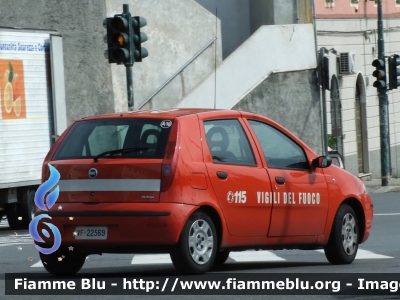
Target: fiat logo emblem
{"x": 93, "y": 173}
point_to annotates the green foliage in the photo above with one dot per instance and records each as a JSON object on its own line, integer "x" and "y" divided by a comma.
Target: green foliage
{"x": 332, "y": 142}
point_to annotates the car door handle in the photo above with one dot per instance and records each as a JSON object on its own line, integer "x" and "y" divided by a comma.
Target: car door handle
{"x": 222, "y": 175}
{"x": 280, "y": 180}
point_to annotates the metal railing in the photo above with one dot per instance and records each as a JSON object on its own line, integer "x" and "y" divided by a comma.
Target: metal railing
{"x": 177, "y": 73}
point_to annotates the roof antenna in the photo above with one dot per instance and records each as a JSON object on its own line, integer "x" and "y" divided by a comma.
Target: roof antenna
{"x": 215, "y": 57}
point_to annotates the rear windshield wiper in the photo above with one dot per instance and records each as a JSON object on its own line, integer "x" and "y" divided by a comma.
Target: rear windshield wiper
{"x": 118, "y": 151}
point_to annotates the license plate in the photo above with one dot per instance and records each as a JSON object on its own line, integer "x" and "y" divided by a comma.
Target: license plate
{"x": 91, "y": 233}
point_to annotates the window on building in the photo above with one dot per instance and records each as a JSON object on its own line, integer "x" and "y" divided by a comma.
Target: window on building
{"x": 397, "y": 1}
{"x": 329, "y": 3}
{"x": 354, "y": 1}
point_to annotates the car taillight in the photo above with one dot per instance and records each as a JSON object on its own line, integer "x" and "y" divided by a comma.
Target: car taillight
{"x": 170, "y": 159}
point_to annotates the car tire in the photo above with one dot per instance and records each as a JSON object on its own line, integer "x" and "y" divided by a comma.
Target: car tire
{"x": 63, "y": 262}
{"x": 28, "y": 207}
{"x": 221, "y": 257}
{"x": 20, "y": 214}
{"x": 13, "y": 214}
{"x": 197, "y": 246}
{"x": 343, "y": 242}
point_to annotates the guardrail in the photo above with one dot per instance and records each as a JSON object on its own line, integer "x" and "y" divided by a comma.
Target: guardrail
{"x": 177, "y": 73}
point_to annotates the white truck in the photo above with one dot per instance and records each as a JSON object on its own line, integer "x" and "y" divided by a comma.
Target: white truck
{"x": 32, "y": 115}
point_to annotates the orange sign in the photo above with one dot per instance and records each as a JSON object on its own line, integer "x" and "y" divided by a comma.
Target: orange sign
{"x": 12, "y": 89}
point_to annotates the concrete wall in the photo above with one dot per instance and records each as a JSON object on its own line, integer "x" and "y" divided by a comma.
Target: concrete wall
{"x": 177, "y": 30}
{"x": 241, "y": 18}
{"x": 292, "y": 99}
{"x": 235, "y": 21}
{"x": 261, "y": 13}
{"x": 88, "y": 77}
{"x": 360, "y": 37}
{"x": 272, "y": 12}
{"x": 285, "y": 12}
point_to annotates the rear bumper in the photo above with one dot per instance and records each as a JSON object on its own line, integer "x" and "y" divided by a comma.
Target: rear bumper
{"x": 141, "y": 225}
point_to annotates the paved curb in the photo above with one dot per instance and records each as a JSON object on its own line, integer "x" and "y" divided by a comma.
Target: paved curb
{"x": 374, "y": 186}
{"x": 386, "y": 189}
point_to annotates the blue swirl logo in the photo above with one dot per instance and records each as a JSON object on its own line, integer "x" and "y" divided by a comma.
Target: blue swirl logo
{"x": 51, "y": 199}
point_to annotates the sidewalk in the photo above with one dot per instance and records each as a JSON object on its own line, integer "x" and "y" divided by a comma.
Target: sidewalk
{"x": 375, "y": 186}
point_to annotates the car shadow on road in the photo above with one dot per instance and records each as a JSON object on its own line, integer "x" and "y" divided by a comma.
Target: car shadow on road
{"x": 265, "y": 266}
{"x": 169, "y": 270}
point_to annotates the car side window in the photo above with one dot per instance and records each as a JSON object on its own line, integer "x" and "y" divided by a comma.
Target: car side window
{"x": 280, "y": 151}
{"x": 228, "y": 143}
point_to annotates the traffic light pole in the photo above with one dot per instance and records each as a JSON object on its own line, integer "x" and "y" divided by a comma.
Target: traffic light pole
{"x": 383, "y": 107}
{"x": 129, "y": 86}
{"x": 129, "y": 76}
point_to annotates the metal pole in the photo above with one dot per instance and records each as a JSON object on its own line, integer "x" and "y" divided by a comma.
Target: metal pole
{"x": 129, "y": 86}
{"x": 125, "y": 8}
{"x": 383, "y": 107}
{"x": 319, "y": 71}
{"x": 129, "y": 76}
{"x": 322, "y": 84}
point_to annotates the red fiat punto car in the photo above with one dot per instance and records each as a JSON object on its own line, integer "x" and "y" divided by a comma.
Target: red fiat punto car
{"x": 197, "y": 183}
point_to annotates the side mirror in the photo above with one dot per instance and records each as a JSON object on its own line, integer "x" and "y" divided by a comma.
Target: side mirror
{"x": 322, "y": 162}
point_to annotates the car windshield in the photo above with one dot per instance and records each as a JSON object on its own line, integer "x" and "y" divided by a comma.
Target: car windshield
{"x": 91, "y": 138}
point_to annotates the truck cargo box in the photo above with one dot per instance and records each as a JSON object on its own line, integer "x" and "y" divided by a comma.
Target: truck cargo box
{"x": 32, "y": 114}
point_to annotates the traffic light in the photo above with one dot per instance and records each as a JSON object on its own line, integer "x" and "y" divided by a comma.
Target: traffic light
{"x": 325, "y": 73}
{"x": 119, "y": 40}
{"x": 394, "y": 72}
{"x": 380, "y": 74}
{"x": 139, "y": 38}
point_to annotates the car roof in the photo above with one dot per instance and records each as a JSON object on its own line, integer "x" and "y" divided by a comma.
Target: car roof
{"x": 172, "y": 113}
{"x": 164, "y": 113}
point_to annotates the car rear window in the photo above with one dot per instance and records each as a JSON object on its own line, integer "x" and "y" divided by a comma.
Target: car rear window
{"x": 86, "y": 139}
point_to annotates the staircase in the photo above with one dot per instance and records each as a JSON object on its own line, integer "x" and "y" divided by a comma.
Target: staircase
{"x": 272, "y": 48}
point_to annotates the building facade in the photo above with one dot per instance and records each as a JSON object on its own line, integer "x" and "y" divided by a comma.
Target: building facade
{"x": 348, "y": 28}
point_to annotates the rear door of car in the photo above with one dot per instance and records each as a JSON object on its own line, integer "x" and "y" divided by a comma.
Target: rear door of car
{"x": 236, "y": 174}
